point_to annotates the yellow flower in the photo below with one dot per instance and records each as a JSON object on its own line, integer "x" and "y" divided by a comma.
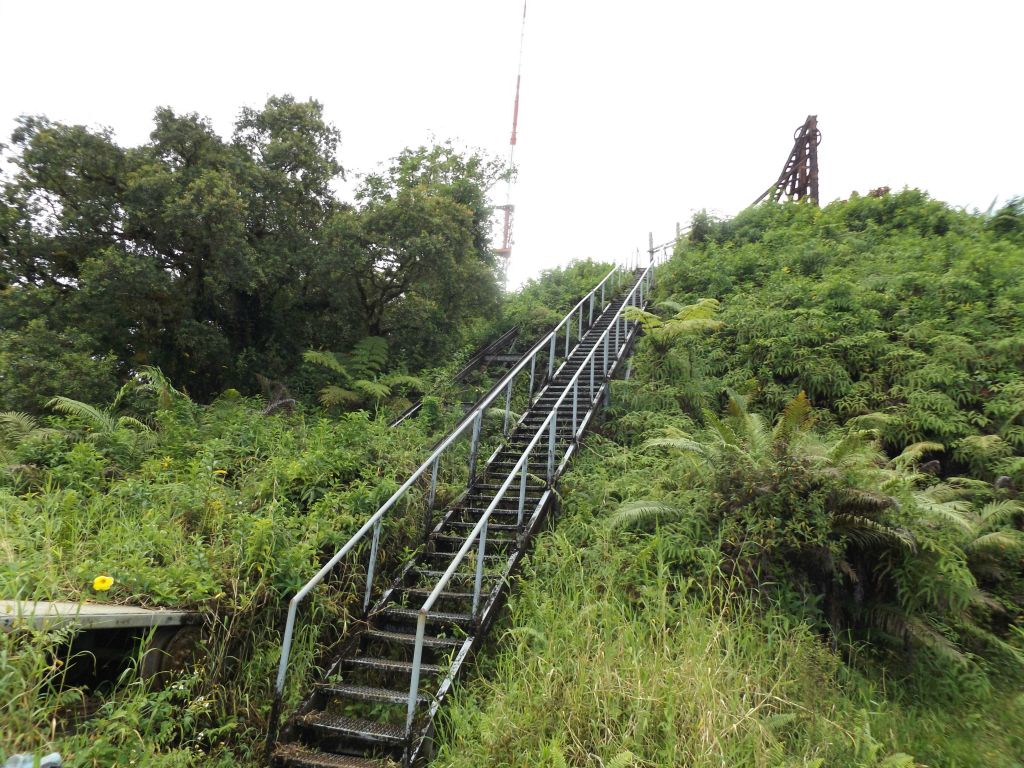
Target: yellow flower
{"x": 102, "y": 583}
{"x": 220, "y": 472}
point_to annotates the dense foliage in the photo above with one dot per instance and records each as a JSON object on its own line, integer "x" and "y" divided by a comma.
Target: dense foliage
{"x": 219, "y": 260}
{"x": 224, "y": 508}
{"x": 820, "y": 439}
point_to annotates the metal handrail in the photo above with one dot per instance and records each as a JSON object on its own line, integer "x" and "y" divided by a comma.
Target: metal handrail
{"x": 474, "y": 418}
{"x": 550, "y": 424}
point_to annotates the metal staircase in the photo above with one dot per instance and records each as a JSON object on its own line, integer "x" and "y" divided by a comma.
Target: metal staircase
{"x": 376, "y": 705}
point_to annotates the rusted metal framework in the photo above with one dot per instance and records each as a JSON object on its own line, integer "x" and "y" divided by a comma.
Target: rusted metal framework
{"x": 799, "y": 177}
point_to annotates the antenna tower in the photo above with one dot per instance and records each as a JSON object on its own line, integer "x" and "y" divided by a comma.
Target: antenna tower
{"x": 504, "y": 253}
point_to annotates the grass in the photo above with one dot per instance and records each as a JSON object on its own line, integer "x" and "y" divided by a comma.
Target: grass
{"x": 612, "y": 656}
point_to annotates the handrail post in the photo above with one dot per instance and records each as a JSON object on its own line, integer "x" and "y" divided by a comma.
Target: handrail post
{"x": 602, "y": 297}
{"x": 508, "y": 407}
{"x": 575, "y": 395}
{"x": 522, "y": 491}
{"x": 431, "y": 495}
{"x": 579, "y": 332}
{"x": 551, "y": 358}
{"x": 604, "y": 372}
{"x": 481, "y": 552}
{"x": 590, "y": 391}
{"x": 568, "y": 324}
{"x": 533, "y": 371}
{"x": 590, "y": 316}
{"x": 372, "y": 565}
{"x": 551, "y": 445}
{"x": 474, "y": 446}
{"x": 417, "y": 660}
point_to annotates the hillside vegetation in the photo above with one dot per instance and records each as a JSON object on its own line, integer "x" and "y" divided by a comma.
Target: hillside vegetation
{"x": 226, "y": 509}
{"x": 797, "y": 538}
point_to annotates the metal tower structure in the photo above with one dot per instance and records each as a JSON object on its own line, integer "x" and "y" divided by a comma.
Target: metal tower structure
{"x": 799, "y": 177}
{"x": 504, "y": 253}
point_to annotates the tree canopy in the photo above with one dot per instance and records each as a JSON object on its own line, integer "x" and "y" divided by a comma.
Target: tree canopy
{"x": 217, "y": 260}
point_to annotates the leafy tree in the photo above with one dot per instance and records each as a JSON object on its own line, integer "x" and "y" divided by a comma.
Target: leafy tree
{"x": 217, "y": 260}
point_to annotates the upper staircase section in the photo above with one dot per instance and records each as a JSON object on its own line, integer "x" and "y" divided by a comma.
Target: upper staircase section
{"x": 380, "y": 694}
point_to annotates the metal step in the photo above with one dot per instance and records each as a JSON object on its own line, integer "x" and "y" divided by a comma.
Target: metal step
{"x": 445, "y": 618}
{"x": 377, "y": 664}
{"x": 424, "y": 592}
{"x": 371, "y": 731}
{"x": 298, "y": 756}
{"x": 492, "y": 527}
{"x": 369, "y": 693}
{"x": 404, "y": 638}
{"x": 455, "y": 542}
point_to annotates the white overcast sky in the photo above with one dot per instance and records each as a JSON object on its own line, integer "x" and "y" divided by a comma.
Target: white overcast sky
{"x": 633, "y": 114}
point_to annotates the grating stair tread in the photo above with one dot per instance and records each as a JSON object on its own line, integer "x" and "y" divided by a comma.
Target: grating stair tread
{"x": 425, "y": 591}
{"x": 492, "y": 526}
{"x": 354, "y": 727}
{"x": 388, "y": 665}
{"x": 298, "y": 756}
{"x": 430, "y": 641}
{"x": 434, "y": 617}
{"x": 369, "y": 693}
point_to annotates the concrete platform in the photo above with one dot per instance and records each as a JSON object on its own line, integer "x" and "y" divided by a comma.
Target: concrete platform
{"x": 45, "y": 614}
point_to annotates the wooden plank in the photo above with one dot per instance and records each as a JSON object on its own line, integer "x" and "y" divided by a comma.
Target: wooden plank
{"x": 46, "y": 614}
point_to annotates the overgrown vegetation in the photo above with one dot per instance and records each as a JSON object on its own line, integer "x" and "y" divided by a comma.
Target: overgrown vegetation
{"x": 799, "y": 539}
{"x": 225, "y": 509}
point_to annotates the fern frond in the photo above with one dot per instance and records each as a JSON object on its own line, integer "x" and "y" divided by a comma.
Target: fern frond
{"x": 371, "y": 390}
{"x": 648, "y": 320}
{"x": 797, "y": 416}
{"x": 328, "y": 360}
{"x": 870, "y": 421}
{"x": 334, "y": 395}
{"x": 956, "y": 512}
{"x": 669, "y": 306}
{"x": 865, "y": 499}
{"x": 15, "y": 426}
{"x": 673, "y": 329}
{"x": 404, "y": 382}
{"x": 997, "y": 544}
{"x": 868, "y": 531}
{"x": 914, "y": 452}
{"x": 705, "y": 309}
{"x": 642, "y": 514}
{"x": 126, "y": 422}
{"x": 152, "y": 378}
{"x": 368, "y": 357}
{"x": 996, "y": 514}
{"x": 682, "y": 443}
{"x": 97, "y": 420}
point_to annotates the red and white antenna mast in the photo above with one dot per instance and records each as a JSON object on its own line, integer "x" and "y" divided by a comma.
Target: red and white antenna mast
{"x": 505, "y": 251}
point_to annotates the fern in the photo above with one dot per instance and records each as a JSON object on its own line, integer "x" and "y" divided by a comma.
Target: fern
{"x": 914, "y": 452}
{"x": 643, "y": 514}
{"x": 329, "y": 361}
